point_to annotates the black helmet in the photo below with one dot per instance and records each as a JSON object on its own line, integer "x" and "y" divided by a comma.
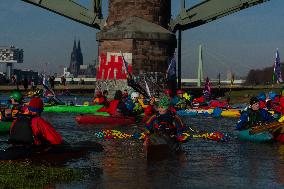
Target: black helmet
{"x": 118, "y": 95}
{"x": 253, "y": 100}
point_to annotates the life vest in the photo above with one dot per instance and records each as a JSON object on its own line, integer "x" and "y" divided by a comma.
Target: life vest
{"x": 99, "y": 101}
{"x": 165, "y": 124}
{"x": 16, "y": 109}
{"x": 150, "y": 110}
{"x": 262, "y": 104}
{"x": 181, "y": 104}
{"x": 281, "y": 103}
{"x": 275, "y": 106}
{"x": 141, "y": 102}
{"x": 112, "y": 109}
{"x": 21, "y": 131}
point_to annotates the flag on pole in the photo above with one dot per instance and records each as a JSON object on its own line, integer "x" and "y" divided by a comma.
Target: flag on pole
{"x": 232, "y": 79}
{"x": 277, "y": 75}
{"x": 125, "y": 63}
{"x": 147, "y": 88}
{"x": 171, "y": 71}
{"x": 207, "y": 89}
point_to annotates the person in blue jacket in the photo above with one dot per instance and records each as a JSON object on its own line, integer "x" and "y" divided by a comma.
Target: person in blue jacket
{"x": 165, "y": 121}
{"x": 253, "y": 116}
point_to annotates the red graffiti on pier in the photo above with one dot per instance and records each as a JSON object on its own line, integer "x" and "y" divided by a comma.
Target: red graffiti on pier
{"x": 112, "y": 69}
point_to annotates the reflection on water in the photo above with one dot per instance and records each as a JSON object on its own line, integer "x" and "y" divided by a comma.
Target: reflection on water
{"x": 208, "y": 164}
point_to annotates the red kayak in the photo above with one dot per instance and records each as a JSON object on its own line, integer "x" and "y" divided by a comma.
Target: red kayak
{"x": 99, "y": 119}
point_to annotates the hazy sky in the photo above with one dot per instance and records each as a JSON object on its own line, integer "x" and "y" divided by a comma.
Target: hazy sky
{"x": 238, "y": 42}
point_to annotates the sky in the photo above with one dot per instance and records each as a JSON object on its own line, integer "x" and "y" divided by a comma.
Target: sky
{"x": 236, "y": 43}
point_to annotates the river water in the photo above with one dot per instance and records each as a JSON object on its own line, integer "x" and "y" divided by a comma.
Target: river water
{"x": 204, "y": 164}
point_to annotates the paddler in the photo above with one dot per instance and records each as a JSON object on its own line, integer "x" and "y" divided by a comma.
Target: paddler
{"x": 179, "y": 102}
{"x": 15, "y": 106}
{"x": 253, "y": 116}
{"x": 117, "y": 106}
{"x": 99, "y": 99}
{"x": 262, "y": 100}
{"x": 165, "y": 123}
{"x": 133, "y": 105}
{"x": 32, "y": 130}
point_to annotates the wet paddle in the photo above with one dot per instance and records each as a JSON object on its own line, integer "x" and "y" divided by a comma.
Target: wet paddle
{"x": 265, "y": 127}
{"x": 53, "y": 93}
{"x": 115, "y": 134}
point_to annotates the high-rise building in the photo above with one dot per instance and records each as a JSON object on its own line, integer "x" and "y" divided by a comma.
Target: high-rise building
{"x": 76, "y": 59}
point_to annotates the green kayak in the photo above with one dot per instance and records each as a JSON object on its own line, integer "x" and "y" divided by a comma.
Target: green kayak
{"x": 5, "y": 126}
{"x": 75, "y": 109}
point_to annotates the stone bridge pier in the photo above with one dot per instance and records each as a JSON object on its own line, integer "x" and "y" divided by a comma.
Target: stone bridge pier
{"x": 138, "y": 29}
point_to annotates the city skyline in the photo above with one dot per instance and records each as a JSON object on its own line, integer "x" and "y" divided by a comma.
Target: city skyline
{"x": 236, "y": 43}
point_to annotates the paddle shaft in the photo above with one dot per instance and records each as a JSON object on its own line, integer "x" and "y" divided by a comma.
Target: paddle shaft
{"x": 265, "y": 127}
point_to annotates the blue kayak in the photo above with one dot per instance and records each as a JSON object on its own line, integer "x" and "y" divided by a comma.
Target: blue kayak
{"x": 259, "y": 137}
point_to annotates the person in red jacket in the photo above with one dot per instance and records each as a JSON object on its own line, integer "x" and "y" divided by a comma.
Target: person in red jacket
{"x": 117, "y": 106}
{"x": 32, "y": 130}
{"x": 99, "y": 99}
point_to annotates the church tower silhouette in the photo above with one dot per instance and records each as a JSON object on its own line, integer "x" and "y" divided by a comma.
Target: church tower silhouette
{"x": 76, "y": 59}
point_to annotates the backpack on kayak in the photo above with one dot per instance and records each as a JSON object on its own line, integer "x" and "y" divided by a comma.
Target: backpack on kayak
{"x": 21, "y": 132}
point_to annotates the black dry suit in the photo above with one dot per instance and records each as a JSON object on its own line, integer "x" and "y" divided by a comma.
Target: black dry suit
{"x": 21, "y": 131}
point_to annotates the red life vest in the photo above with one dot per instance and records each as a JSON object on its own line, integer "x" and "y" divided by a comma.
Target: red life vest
{"x": 199, "y": 100}
{"x": 99, "y": 101}
{"x": 112, "y": 109}
{"x": 275, "y": 106}
{"x": 262, "y": 104}
{"x": 281, "y": 104}
{"x": 149, "y": 110}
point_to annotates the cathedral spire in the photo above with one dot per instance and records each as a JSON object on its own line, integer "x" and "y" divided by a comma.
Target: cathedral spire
{"x": 74, "y": 46}
{"x": 79, "y": 46}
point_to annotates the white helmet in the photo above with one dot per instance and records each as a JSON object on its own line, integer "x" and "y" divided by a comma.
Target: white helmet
{"x": 134, "y": 95}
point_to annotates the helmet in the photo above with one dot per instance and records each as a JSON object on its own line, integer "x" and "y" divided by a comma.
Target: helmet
{"x": 16, "y": 95}
{"x": 36, "y": 105}
{"x": 99, "y": 93}
{"x": 168, "y": 91}
{"x": 261, "y": 96}
{"x": 134, "y": 95}
{"x": 180, "y": 91}
{"x": 118, "y": 95}
{"x": 272, "y": 95}
{"x": 164, "y": 102}
{"x": 253, "y": 100}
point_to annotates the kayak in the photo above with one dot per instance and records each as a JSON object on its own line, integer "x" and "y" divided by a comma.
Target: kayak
{"x": 259, "y": 137}
{"x": 217, "y": 112}
{"x": 75, "y": 109}
{"x": 101, "y": 119}
{"x": 5, "y": 126}
{"x": 53, "y": 154}
{"x": 159, "y": 147}
{"x": 194, "y": 112}
{"x": 231, "y": 113}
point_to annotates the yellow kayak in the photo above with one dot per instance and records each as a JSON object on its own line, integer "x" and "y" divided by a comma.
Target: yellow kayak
{"x": 231, "y": 113}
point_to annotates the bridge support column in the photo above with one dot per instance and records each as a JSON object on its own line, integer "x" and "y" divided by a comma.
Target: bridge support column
{"x": 179, "y": 59}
